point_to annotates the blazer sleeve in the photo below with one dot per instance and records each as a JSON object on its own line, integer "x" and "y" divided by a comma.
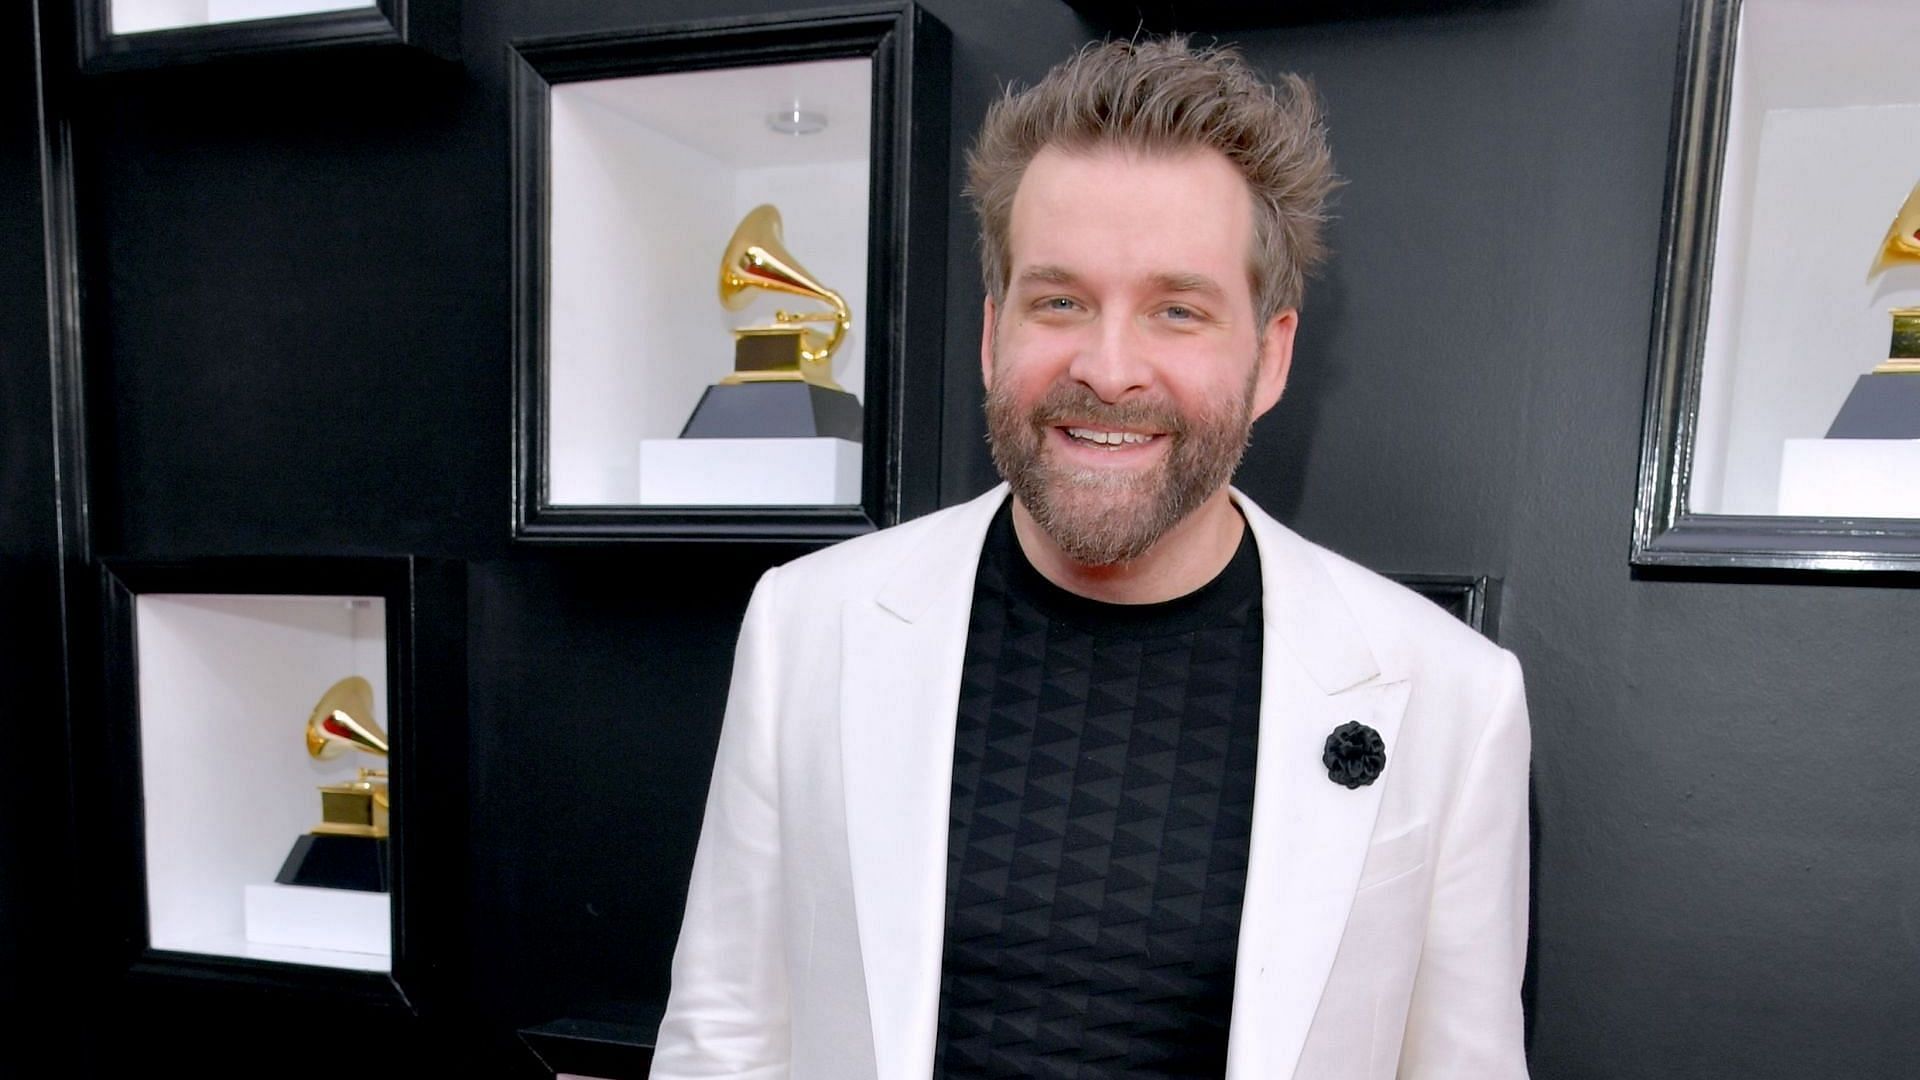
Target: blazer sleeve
{"x": 727, "y": 1012}
{"x": 1465, "y": 1017}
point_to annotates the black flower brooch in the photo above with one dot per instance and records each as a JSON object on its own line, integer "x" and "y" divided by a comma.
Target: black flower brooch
{"x": 1355, "y": 755}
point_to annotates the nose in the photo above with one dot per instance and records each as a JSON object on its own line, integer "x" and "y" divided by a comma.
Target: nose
{"x": 1112, "y": 360}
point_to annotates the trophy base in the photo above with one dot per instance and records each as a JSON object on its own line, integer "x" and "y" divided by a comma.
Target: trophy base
{"x": 337, "y": 862}
{"x": 1881, "y": 406}
{"x": 788, "y": 409}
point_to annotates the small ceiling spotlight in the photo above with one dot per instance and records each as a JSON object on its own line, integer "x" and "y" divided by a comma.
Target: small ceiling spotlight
{"x": 797, "y": 121}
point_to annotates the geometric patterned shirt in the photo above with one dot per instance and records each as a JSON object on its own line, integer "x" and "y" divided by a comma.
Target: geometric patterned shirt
{"x": 1102, "y": 802}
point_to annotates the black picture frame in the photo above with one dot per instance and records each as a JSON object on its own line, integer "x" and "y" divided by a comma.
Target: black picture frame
{"x": 905, "y": 267}
{"x": 1473, "y": 599}
{"x": 430, "y": 26}
{"x": 426, "y": 673}
{"x": 1667, "y": 534}
{"x": 603, "y": 1049}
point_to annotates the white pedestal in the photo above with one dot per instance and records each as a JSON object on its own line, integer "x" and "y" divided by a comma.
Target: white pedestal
{"x": 749, "y": 472}
{"x": 341, "y": 920}
{"x": 1850, "y": 478}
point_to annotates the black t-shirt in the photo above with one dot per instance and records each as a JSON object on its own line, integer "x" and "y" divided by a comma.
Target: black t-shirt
{"x": 1102, "y": 803}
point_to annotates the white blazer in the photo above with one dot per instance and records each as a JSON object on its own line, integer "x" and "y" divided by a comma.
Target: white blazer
{"x": 1383, "y": 929}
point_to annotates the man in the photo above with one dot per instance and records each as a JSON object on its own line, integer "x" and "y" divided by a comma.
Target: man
{"x": 1116, "y": 777}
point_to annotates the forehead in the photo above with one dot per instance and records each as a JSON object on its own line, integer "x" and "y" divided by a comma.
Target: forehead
{"x": 1132, "y": 212}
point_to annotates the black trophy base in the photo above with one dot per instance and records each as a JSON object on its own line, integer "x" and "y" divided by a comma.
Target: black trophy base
{"x": 1883, "y": 406}
{"x": 775, "y": 410}
{"x": 337, "y": 862}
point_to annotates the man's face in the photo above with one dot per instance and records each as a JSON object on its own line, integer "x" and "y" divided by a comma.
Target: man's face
{"x": 1126, "y": 366}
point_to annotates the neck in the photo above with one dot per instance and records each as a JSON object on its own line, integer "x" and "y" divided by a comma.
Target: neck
{"x": 1191, "y": 554}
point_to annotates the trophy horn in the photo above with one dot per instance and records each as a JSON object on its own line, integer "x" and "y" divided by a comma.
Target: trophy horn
{"x": 1902, "y": 244}
{"x": 756, "y": 258}
{"x": 343, "y": 720}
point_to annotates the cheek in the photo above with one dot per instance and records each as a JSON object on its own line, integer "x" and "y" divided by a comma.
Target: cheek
{"x": 1027, "y": 337}
{"x": 1219, "y": 392}
{"x": 1017, "y": 387}
{"x": 1031, "y": 355}
{"x": 1193, "y": 374}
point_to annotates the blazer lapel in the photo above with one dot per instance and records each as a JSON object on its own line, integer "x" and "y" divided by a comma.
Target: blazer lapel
{"x": 1310, "y": 835}
{"x": 901, "y": 657}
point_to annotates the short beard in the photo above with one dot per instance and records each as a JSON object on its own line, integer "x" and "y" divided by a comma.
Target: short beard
{"x": 1101, "y": 517}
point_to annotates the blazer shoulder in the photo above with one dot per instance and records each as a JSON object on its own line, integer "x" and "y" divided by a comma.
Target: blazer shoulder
{"x": 1392, "y": 618}
{"x": 1465, "y": 676}
{"x": 1389, "y": 610}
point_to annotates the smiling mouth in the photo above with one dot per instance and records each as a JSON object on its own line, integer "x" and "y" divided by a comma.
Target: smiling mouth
{"x": 1109, "y": 440}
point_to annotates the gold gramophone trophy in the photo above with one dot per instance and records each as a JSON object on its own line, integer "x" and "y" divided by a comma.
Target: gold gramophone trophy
{"x": 347, "y": 849}
{"x": 782, "y": 382}
{"x": 1885, "y": 404}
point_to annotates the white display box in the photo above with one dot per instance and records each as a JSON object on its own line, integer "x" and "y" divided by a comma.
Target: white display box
{"x": 1850, "y": 478}
{"x": 1824, "y": 113}
{"x": 649, "y": 176}
{"x": 335, "y": 920}
{"x": 749, "y": 472}
{"x": 140, "y": 16}
{"x": 226, "y": 683}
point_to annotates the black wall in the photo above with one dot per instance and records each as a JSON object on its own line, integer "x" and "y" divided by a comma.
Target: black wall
{"x": 297, "y": 335}
{"x": 32, "y": 794}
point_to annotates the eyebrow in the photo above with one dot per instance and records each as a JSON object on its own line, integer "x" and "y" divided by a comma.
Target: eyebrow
{"x": 1047, "y": 275}
{"x": 1166, "y": 281}
{"x": 1187, "y": 283}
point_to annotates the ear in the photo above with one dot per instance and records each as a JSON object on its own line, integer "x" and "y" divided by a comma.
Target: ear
{"x": 986, "y": 343}
{"x": 1276, "y": 359}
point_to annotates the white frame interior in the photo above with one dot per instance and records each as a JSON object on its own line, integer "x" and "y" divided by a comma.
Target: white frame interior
{"x": 648, "y": 177}
{"x": 226, "y": 683}
{"x": 143, "y": 16}
{"x": 1823, "y": 145}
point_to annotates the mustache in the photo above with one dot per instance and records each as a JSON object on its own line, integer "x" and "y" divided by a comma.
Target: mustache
{"x": 1075, "y": 402}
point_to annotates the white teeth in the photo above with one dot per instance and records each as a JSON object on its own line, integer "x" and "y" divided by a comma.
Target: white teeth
{"x": 1108, "y": 438}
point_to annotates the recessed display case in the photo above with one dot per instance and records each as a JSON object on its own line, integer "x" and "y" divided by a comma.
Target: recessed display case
{"x": 230, "y": 790}
{"x": 276, "y": 796}
{"x": 1782, "y": 425}
{"x": 730, "y": 255}
{"x": 117, "y": 35}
